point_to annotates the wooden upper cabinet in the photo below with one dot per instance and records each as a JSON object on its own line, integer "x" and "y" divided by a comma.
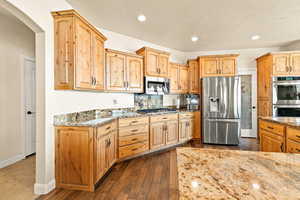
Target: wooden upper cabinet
{"x": 174, "y": 78}
{"x": 209, "y": 67}
{"x": 98, "y": 62}
{"x": 281, "y": 64}
{"x": 78, "y": 52}
{"x": 219, "y": 65}
{"x": 194, "y": 76}
{"x": 134, "y": 69}
{"x": 124, "y": 72}
{"x": 227, "y": 66}
{"x": 163, "y": 65}
{"x": 115, "y": 72}
{"x": 156, "y": 62}
{"x": 183, "y": 79}
{"x": 295, "y": 64}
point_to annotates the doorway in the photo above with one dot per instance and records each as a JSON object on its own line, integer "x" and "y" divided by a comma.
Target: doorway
{"x": 248, "y": 104}
{"x": 29, "y": 106}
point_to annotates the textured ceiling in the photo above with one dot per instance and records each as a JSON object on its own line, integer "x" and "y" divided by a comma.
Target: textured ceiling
{"x": 219, "y": 24}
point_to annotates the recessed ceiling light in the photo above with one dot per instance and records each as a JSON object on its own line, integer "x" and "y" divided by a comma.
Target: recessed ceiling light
{"x": 141, "y": 18}
{"x": 194, "y": 38}
{"x": 255, "y": 37}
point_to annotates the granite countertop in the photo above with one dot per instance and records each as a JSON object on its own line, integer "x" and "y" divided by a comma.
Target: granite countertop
{"x": 290, "y": 121}
{"x": 95, "y": 121}
{"x": 233, "y": 174}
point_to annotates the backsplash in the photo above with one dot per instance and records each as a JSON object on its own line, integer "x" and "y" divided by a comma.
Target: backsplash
{"x": 144, "y": 101}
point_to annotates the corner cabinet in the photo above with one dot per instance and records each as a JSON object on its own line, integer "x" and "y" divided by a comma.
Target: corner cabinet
{"x": 179, "y": 78}
{"x": 156, "y": 62}
{"x": 218, "y": 65}
{"x": 194, "y": 77}
{"x": 78, "y": 52}
{"x": 124, "y": 72}
{"x": 83, "y": 155}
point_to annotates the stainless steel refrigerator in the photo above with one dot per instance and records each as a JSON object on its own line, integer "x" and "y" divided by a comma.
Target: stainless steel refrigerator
{"x": 221, "y": 102}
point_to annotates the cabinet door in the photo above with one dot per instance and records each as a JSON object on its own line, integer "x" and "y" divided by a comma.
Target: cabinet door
{"x": 152, "y": 63}
{"x": 264, "y": 78}
{"x": 227, "y": 66}
{"x": 172, "y": 132}
{"x": 163, "y": 65}
{"x": 157, "y": 135}
{"x": 115, "y": 72}
{"x": 83, "y": 66}
{"x": 295, "y": 64}
{"x": 98, "y": 62}
{"x": 111, "y": 150}
{"x": 183, "y": 79}
{"x": 194, "y": 77}
{"x": 135, "y": 74}
{"x": 281, "y": 64}
{"x": 74, "y": 157}
{"x": 63, "y": 50}
{"x": 183, "y": 130}
{"x": 100, "y": 157}
{"x": 270, "y": 144}
{"x": 209, "y": 67}
{"x": 264, "y": 108}
{"x": 174, "y": 76}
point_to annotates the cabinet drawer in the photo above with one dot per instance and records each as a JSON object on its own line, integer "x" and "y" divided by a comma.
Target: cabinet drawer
{"x": 131, "y": 139}
{"x": 272, "y": 127}
{"x": 133, "y": 149}
{"x": 271, "y": 135}
{"x": 132, "y": 130}
{"x": 161, "y": 118}
{"x": 292, "y": 146}
{"x": 133, "y": 121}
{"x": 293, "y": 134}
{"x": 105, "y": 129}
{"x": 186, "y": 115}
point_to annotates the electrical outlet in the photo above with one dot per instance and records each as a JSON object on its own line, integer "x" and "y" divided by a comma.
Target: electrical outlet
{"x": 115, "y": 102}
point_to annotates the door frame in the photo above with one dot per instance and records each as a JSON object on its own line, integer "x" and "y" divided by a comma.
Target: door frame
{"x": 23, "y": 59}
{"x": 253, "y": 73}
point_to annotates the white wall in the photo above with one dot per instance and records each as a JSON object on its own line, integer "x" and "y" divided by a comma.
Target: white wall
{"x": 294, "y": 46}
{"x": 16, "y": 40}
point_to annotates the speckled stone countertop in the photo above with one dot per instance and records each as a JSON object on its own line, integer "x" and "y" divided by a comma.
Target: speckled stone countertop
{"x": 233, "y": 174}
{"x": 94, "y": 118}
{"x": 290, "y": 121}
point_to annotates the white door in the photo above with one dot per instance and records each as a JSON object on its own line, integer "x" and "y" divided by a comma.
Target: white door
{"x": 248, "y": 105}
{"x": 30, "y": 117}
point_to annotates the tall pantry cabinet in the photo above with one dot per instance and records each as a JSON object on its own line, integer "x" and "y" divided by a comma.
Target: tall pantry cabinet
{"x": 78, "y": 52}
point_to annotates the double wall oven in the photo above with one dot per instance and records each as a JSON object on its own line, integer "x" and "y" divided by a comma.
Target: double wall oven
{"x": 286, "y": 96}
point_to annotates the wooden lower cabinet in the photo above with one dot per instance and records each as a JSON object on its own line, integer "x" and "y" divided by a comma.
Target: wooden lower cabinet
{"x": 83, "y": 155}
{"x": 271, "y": 142}
{"x": 292, "y": 140}
{"x": 133, "y": 136}
{"x": 172, "y": 132}
{"x": 185, "y": 129}
{"x": 157, "y": 135}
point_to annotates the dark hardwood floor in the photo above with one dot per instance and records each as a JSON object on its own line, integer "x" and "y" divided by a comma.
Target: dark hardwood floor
{"x": 149, "y": 177}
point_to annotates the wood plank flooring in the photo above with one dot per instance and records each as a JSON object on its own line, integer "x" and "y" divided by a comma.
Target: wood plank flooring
{"x": 149, "y": 177}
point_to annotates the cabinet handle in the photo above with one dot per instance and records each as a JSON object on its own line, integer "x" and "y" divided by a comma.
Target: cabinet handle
{"x": 298, "y": 136}
{"x": 281, "y": 147}
{"x": 134, "y": 139}
{"x": 134, "y": 122}
{"x": 297, "y": 149}
{"x": 95, "y": 81}
{"x": 270, "y": 127}
{"x": 134, "y": 149}
{"x": 291, "y": 69}
{"x": 287, "y": 69}
{"x": 108, "y": 128}
{"x": 124, "y": 84}
{"x": 135, "y": 130}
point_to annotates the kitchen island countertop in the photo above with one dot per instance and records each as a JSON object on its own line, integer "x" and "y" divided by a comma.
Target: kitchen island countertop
{"x": 232, "y": 174}
{"x": 290, "y": 121}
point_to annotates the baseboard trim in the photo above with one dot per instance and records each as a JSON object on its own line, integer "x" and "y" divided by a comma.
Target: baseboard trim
{"x": 11, "y": 161}
{"x": 44, "y": 188}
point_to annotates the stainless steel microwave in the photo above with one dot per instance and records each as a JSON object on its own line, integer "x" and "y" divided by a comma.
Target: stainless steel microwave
{"x": 286, "y": 90}
{"x": 156, "y": 85}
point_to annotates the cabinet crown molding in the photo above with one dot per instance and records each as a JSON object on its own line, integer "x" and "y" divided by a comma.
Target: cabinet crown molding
{"x": 151, "y": 49}
{"x": 278, "y": 53}
{"x": 218, "y": 56}
{"x": 123, "y": 53}
{"x": 73, "y": 12}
